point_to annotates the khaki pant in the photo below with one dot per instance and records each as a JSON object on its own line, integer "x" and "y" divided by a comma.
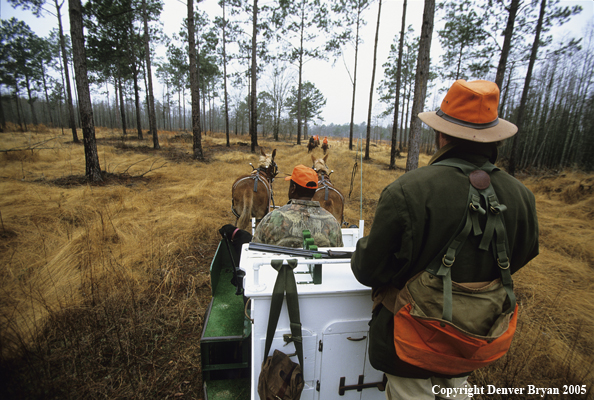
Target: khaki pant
{"x": 399, "y": 388}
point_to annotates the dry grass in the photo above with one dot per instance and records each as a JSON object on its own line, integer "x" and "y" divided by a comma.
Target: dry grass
{"x": 103, "y": 287}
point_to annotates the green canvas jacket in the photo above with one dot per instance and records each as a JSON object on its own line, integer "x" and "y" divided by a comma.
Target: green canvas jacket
{"x": 415, "y": 217}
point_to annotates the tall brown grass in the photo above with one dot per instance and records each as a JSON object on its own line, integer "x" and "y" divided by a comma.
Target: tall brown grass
{"x": 104, "y": 287}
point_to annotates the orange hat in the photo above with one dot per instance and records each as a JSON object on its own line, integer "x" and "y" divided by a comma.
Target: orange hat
{"x": 304, "y": 176}
{"x": 469, "y": 111}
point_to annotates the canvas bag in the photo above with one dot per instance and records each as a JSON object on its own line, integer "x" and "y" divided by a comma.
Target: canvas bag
{"x": 451, "y": 328}
{"x": 280, "y": 377}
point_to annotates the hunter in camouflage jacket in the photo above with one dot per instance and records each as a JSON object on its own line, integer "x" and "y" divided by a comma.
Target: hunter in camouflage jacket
{"x": 284, "y": 226}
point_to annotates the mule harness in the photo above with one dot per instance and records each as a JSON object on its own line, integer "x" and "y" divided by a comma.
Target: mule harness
{"x": 255, "y": 175}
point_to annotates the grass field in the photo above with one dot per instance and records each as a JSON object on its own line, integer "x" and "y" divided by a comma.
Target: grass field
{"x": 103, "y": 287}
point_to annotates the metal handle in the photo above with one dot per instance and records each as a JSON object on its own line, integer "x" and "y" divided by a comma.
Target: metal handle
{"x": 356, "y": 339}
{"x": 342, "y": 387}
{"x": 245, "y": 311}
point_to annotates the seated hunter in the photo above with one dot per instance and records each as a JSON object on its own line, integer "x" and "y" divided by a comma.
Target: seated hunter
{"x": 285, "y": 225}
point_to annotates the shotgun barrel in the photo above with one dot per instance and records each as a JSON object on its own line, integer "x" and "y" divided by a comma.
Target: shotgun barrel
{"x": 295, "y": 252}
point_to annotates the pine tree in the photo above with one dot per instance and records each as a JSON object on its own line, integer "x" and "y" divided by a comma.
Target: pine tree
{"x": 93, "y": 169}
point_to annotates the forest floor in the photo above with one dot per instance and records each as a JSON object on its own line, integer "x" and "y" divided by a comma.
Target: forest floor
{"x": 103, "y": 287}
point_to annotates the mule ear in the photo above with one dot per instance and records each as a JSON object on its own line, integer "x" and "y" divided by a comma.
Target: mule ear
{"x": 313, "y": 159}
{"x": 326, "y": 158}
{"x": 273, "y": 153}
{"x": 262, "y": 151}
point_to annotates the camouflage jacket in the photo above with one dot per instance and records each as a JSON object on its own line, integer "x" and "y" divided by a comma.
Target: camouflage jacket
{"x": 284, "y": 226}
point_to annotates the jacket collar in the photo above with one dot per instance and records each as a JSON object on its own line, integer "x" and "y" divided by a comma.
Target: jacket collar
{"x": 476, "y": 153}
{"x": 309, "y": 203}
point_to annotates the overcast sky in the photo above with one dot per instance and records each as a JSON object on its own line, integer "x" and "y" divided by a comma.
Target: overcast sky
{"x": 333, "y": 81}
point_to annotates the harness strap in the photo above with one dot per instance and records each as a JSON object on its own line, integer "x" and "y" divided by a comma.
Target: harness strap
{"x": 285, "y": 283}
{"x": 327, "y": 186}
{"x": 256, "y": 177}
{"x": 324, "y": 186}
{"x": 494, "y": 235}
{"x": 445, "y": 271}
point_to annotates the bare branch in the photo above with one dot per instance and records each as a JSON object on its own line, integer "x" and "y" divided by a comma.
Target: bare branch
{"x": 133, "y": 164}
{"x": 34, "y": 146}
{"x": 151, "y": 169}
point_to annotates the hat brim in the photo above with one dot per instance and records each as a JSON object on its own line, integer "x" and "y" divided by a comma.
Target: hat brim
{"x": 501, "y": 131}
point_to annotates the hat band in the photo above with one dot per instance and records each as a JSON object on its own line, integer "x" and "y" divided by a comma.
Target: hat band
{"x": 457, "y": 121}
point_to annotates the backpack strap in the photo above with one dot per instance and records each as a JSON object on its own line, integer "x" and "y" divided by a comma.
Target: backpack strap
{"x": 494, "y": 235}
{"x": 285, "y": 282}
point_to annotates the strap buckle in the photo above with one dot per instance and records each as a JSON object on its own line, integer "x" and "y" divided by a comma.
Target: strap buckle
{"x": 447, "y": 263}
{"x": 503, "y": 265}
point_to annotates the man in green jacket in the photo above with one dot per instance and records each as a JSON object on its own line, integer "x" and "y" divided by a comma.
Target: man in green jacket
{"x": 421, "y": 211}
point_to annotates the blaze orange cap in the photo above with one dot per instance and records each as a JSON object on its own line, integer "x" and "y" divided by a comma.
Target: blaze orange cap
{"x": 304, "y": 176}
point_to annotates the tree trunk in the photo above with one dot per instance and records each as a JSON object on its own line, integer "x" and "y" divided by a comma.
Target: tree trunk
{"x": 47, "y": 101}
{"x": 184, "y": 102}
{"x": 77, "y": 112}
{"x": 509, "y": 31}
{"x": 397, "y": 100}
{"x": 503, "y": 100}
{"x": 71, "y": 122}
{"x": 31, "y": 101}
{"x": 2, "y": 118}
{"x": 422, "y": 75}
{"x": 93, "y": 169}
{"x": 203, "y": 98}
{"x": 300, "y": 83}
{"x": 404, "y": 119}
{"x": 254, "y": 98}
{"x": 122, "y": 105}
{"x": 137, "y": 100}
{"x": 459, "y": 65}
{"x": 351, "y": 126}
{"x": 20, "y": 119}
{"x": 150, "y": 94}
{"x": 379, "y": 13}
{"x": 523, "y": 101}
{"x": 194, "y": 91}
{"x": 210, "y": 110}
{"x": 228, "y": 144}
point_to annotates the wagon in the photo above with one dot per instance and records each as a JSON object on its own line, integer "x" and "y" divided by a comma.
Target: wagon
{"x": 335, "y": 310}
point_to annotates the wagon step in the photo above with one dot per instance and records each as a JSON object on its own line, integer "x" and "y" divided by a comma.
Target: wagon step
{"x": 236, "y": 389}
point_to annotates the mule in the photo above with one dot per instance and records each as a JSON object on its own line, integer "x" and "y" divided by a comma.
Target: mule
{"x": 329, "y": 197}
{"x": 251, "y": 194}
